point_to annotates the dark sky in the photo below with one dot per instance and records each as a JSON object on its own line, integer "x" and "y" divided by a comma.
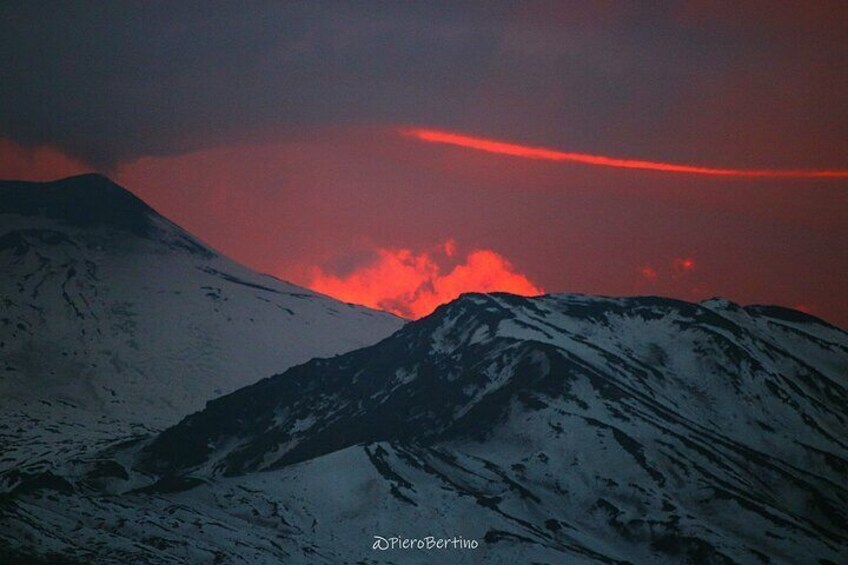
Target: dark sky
{"x": 271, "y": 130}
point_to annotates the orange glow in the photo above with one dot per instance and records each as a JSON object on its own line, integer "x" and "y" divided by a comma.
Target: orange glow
{"x": 42, "y": 163}
{"x": 649, "y": 273}
{"x": 683, "y": 265}
{"x": 450, "y": 247}
{"x": 803, "y": 308}
{"x": 413, "y": 285}
{"x": 503, "y": 148}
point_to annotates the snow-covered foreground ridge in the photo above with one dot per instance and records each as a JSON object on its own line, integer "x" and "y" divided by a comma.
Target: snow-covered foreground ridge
{"x": 554, "y": 429}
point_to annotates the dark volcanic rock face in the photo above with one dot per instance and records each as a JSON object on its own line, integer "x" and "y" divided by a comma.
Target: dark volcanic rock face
{"x": 94, "y": 203}
{"x": 83, "y": 201}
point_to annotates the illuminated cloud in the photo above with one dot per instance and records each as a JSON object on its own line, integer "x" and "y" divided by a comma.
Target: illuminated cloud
{"x": 528, "y": 152}
{"x": 412, "y": 285}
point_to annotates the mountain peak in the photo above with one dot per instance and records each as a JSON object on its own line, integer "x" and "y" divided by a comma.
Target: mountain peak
{"x": 94, "y": 202}
{"x": 88, "y": 200}
{"x": 88, "y": 178}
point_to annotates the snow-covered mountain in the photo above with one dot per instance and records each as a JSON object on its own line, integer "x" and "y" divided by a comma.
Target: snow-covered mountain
{"x": 556, "y": 429}
{"x": 114, "y": 321}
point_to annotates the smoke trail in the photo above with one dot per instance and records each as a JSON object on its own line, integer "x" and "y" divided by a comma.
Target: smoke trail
{"x": 502, "y": 148}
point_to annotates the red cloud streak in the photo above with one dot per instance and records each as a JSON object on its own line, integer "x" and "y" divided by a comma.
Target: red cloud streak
{"x": 503, "y": 148}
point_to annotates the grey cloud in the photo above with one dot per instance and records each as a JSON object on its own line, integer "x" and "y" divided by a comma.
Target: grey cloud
{"x": 110, "y": 82}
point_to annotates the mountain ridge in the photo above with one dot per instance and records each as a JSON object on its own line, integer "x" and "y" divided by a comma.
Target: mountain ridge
{"x": 112, "y": 315}
{"x": 486, "y": 314}
{"x": 548, "y": 429}
{"x": 91, "y": 200}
